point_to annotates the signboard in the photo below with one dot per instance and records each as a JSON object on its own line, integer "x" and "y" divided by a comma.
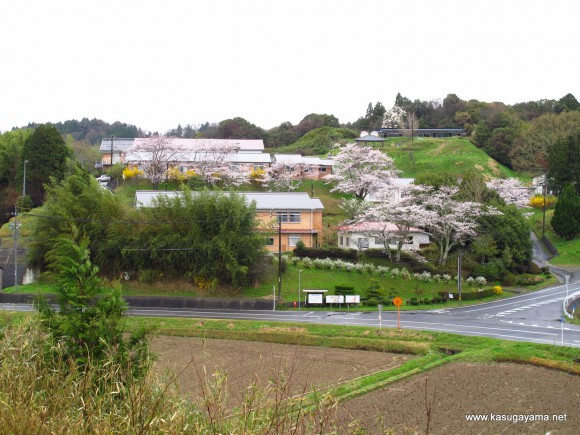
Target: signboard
{"x": 352, "y": 299}
{"x": 315, "y": 298}
{"x": 335, "y": 299}
{"x": 397, "y": 302}
{"x": 450, "y": 295}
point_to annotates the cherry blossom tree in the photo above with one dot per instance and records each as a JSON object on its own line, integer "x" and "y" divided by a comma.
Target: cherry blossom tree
{"x": 360, "y": 170}
{"x": 281, "y": 178}
{"x": 511, "y": 190}
{"x": 393, "y": 118}
{"x": 153, "y": 155}
{"x": 395, "y": 220}
{"x": 449, "y": 221}
{"x": 210, "y": 159}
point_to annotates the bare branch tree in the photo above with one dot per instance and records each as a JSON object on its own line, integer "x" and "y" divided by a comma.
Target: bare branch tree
{"x": 153, "y": 155}
{"x": 410, "y": 126}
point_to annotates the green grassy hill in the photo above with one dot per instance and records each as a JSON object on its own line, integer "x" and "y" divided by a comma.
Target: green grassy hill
{"x": 317, "y": 141}
{"x": 454, "y": 155}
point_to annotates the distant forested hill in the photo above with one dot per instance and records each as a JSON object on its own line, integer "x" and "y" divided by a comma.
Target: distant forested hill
{"x": 93, "y": 130}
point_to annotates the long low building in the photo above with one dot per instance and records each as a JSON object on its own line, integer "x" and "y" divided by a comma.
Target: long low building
{"x": 300, "y": 215}
{"x": 247, "y": 154}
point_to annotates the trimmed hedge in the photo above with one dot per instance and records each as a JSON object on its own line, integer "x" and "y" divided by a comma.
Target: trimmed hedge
{"x": 344, "y": 254}
{"x": 344, "y": 290}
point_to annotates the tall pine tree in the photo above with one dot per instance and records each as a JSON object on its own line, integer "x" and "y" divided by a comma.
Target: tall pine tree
{"x": 566, "y": 220}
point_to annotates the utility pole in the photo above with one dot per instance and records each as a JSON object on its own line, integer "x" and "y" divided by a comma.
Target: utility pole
{"x": 459, "y": 261}
{"x": 112, "y": 140}
{"x": 279, "y": 256}
{"x": 544, "y": 207}
{"x": 15, "y": 234}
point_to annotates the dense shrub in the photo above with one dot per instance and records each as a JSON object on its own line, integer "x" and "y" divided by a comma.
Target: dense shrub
{"x": 533, "y": 268}
{"x": 509, "y": 279}
{"x": 374, "y": 253}
{"x": 413, "y": 301}
{"x": 529, "y": 279}
{"x": 374, "y": 290}
{"x": 372, "y": 302}
{"x": 344, "y": 290}
{"x": 493, "y": 271}
{"x": 148, "y": 276}
{"x": 345, "y": 254}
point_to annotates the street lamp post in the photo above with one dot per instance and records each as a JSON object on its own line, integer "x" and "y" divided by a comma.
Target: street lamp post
{"x": 299, "y": 272}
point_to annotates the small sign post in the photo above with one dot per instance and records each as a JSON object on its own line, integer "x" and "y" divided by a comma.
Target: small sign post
{"x": 380, "y": 316}
{"x": 397, "y": 302}
{"x": 562, "y": 321}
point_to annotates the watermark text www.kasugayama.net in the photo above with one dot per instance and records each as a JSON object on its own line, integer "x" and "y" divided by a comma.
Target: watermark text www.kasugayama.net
{"x": 516, "y": 418}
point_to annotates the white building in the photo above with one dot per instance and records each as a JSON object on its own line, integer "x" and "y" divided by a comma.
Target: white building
{"x": 370, "y": 235}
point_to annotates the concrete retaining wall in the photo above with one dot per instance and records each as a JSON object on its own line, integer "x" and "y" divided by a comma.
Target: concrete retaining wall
{"x": 163, "y": 302}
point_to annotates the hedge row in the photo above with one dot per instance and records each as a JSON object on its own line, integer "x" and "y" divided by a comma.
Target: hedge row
{"x": 345, "y": 254}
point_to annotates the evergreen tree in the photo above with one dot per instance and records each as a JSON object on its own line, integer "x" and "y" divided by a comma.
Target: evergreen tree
{"x": 566, "y": 220}
{"x": 47, "y": 154}
{"x": 564, "y": 163}
{"x": 89, "y": 321}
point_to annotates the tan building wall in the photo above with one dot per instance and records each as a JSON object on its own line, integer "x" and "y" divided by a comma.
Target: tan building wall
{"x": 307, "y": 230}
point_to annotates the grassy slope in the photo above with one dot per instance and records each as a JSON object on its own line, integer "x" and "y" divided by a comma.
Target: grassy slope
{"x": 455, "y": 155}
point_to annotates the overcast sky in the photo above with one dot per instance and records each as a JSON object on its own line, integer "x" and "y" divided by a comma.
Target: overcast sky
{"x": 156, "y": 64}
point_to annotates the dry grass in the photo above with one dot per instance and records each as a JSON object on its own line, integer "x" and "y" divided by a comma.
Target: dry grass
{"x": 41, "y": 391}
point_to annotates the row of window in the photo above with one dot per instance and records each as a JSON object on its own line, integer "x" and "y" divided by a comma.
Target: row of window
{"x": 292, "y": 240}
{"x": 362, "y": 242}
{"x": 288, "y": 217}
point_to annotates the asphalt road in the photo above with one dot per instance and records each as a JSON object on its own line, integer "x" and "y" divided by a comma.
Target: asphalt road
{"x": 534, "y": 317}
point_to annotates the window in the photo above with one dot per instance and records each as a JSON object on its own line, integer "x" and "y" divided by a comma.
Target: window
{"x": 378, "y": 241}
{"x": 269, "y": 241}
{"x": 363, "y": 243}
{"x": 341, "y": 241}
{"x": 347, "y": 241}
{"x": 258, "y": 167}
{"x": 292, "y": 217}
{"x": 292, "y": 240}
{"x": 322, "y": 169}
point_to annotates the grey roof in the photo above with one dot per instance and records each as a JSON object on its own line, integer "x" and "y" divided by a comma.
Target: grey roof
{"x": 264, "y": 200}
{"x": 370, "y": 138}
{"x": 119, "y": 145}
{"x": 124, "y": 144}
{"x": 297, "y": 159}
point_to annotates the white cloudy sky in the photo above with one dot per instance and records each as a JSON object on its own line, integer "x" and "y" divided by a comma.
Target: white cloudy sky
{"x": 159, "y": 63}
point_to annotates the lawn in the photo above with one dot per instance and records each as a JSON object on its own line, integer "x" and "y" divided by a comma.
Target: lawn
{"x": 568, "y": 250}
{"x": 454, "y": 154}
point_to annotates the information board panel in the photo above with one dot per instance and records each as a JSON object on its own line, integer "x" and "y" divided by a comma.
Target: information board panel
{"x": 315, "y": 298}
{"x": 352, "y": 299}
{"x": 335, "y": 299}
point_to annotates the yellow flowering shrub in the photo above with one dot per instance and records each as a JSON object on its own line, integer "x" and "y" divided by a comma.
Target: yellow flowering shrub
{"x": 129, "y": 173}
{"x": 497, "y": 290}
{"x": 537, "y": 201}
{"x": 257, "y": 174}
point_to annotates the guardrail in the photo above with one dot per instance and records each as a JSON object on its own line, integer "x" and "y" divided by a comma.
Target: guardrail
{"x": 568, "y": 302}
